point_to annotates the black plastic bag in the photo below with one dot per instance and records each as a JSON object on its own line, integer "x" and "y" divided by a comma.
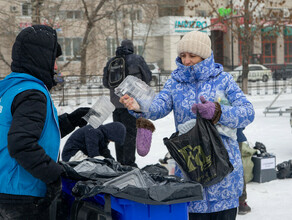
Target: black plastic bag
{"x": 200, "y": 153}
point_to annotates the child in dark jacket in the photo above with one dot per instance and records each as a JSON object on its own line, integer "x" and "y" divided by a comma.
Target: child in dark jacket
{"x": 94, "y": 142}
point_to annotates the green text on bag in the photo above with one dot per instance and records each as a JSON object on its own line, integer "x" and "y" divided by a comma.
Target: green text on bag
{"x": 195, "y": 157}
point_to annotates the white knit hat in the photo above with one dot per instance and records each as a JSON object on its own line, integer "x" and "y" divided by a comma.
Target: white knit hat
{"x": 195, "y": 42}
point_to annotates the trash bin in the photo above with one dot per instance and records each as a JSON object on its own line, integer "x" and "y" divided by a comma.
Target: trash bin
{"x": 104, "y": 206}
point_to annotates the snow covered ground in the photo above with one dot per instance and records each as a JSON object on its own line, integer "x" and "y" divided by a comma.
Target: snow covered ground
{"x": 270, "y": 200}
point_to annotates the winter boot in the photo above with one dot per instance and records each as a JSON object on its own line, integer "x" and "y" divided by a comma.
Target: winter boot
{"x": 243, "y": 208}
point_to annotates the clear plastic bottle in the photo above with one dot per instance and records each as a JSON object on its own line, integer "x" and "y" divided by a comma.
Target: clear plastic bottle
{"x": 137, "y": 89}
{"x": 223, "y": 130}
{"x": 99, "y": 112}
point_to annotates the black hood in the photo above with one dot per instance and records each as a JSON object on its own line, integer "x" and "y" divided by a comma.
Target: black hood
{"x": 114, "y": 131}
{"x": 126, "y": 48}
{"x": 34, "y": 52}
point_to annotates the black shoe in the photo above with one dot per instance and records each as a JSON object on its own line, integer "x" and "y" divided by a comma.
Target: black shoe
{"x": 243, "y": 208}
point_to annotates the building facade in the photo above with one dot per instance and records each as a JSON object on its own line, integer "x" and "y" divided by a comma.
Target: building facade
{"x": 155, "y": 28}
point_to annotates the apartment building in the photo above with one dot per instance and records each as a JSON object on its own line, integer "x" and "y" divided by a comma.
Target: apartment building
{"x": 154, "y": 26}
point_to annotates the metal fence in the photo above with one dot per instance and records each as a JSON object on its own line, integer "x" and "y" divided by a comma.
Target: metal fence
{"x": 75, "y": 92}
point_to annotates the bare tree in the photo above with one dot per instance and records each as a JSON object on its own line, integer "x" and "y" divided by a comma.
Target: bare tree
{"x": 99, "y": 20}
{"x": 36, "y": 8}
{"x": 247, "y": 22}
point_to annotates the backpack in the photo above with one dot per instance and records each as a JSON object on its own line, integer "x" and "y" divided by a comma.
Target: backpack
{"x": 116, "y": 71}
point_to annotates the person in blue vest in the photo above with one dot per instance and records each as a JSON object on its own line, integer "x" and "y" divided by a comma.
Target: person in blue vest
{"x": 30, "y": 128}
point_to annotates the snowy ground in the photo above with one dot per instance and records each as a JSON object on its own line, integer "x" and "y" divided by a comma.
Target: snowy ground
{"x": 270, "y": 200}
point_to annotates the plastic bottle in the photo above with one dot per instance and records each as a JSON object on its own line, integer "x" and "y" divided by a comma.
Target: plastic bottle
{"x": 99, "y": 112}
{"x": 137, "y": 89}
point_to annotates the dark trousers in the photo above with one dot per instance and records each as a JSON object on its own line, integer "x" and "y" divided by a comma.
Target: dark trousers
{"x": 243, "y": 196}
{"x": 23, "y": 211}
{"x": 126, "y": 153}
{"x": 229, "y": 214}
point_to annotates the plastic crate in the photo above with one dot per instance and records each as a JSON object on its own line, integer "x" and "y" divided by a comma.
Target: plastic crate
{"x": 124, "y": 209}
{"x": 130, "y": 210}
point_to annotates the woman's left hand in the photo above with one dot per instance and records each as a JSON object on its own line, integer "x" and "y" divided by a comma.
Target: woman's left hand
{"x": 206, "y": 109}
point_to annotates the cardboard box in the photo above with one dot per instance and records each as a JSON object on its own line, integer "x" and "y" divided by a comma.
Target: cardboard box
{"x": 264, "y": 169}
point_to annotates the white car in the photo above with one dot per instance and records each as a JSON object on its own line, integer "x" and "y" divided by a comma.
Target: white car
{"x": 256, "y": 72}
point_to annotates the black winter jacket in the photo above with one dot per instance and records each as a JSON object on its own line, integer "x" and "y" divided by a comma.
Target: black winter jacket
{"x": 29, "y": 114}
{"x": 135, "y": 64}
{"x": 94, "y": 142}
{"x": 34, "y": 52}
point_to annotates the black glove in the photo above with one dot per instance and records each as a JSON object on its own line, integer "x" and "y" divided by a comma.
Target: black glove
{"x": 54, "y": 190}
{"x": 69, "y": 173}
{"x": 76, "y": 117}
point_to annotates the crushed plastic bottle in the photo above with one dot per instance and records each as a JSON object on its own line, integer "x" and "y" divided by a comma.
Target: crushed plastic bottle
{"x": 137, "y": 89}
{"x": 99, "y": 112}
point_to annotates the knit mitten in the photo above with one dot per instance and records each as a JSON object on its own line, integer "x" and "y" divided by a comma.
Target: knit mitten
{"x": 145, "y": 128}
{"x": 208, "y": 110}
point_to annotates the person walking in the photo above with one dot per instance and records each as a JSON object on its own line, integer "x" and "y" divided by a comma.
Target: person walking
{"x": 94, "y": 142}
{"x": 192, "y": 88}
{"x": 134, "y": 65}
{"x": 30, "y": 128}
{"x": 243, "y": 207}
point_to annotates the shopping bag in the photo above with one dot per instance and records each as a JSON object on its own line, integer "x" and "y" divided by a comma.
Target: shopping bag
{"x": 200, "y": 153}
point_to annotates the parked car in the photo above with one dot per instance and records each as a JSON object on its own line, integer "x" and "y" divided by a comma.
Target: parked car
{"x": 256, "y": 72}
{"x": 284, "y": 72}
{"x": 154, "y": 68}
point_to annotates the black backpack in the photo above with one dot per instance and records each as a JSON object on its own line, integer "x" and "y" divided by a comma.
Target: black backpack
{"x": 116, "y": 71}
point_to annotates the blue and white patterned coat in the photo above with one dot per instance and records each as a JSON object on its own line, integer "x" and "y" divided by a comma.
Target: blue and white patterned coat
{"x": 181, "y": 91}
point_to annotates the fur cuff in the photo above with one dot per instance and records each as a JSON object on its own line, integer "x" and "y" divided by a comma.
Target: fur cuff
{"x": 217, "y": 113}
{"x": 145, "y": 123}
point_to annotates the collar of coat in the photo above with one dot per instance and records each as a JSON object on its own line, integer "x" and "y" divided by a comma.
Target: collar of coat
{"x": 198, "y": 72}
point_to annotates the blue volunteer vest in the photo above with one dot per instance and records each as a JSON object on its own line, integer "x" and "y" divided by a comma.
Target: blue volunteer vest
{"x": 15, "y": 179}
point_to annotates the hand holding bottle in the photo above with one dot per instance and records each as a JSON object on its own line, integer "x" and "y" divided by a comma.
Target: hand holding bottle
{"x": 130, "y": 103}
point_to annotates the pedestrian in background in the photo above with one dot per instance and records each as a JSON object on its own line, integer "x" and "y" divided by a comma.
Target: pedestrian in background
{"x": 243, "y": 207}
{"x": 134, "y": 65}
{"x": 192, "y": 88}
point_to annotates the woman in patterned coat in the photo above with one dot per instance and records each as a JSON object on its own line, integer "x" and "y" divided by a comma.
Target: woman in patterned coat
{"x": 193, "y": 87}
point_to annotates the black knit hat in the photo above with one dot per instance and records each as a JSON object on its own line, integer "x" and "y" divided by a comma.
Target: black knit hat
{"x": 114, "y": 131}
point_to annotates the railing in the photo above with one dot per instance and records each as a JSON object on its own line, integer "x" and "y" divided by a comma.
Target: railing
{"x": 75, "y": 92}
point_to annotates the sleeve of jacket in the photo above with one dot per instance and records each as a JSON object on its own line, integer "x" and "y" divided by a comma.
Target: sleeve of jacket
{"x": 241, "y": 112}
{"x": 28, "y": 118}
{"x": 92, "y": 139}
{"x": 146, "y": 73}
